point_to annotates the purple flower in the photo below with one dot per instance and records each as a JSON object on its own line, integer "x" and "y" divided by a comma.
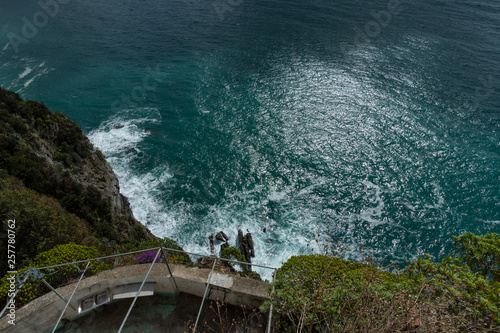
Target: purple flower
{"x": 146, "y": 257}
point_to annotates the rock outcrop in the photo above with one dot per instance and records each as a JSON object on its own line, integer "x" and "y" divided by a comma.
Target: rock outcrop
{"x": 223, "y": 246}
{"x": 222, "y": 236}
{"x": 246, "y": 245}
{"x": 49, "y": 154}
{"x": 211, "y": 241}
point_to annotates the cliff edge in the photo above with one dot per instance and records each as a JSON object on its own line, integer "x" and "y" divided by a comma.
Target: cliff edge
{"x": 45, "y": 155}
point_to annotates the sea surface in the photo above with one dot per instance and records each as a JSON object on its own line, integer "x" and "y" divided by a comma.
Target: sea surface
{"x": 374, "y": 121}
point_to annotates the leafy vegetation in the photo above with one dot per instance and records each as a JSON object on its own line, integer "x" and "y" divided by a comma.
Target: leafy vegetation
{"x": 175, "y": 257}
{"x": 233, "y": 253}
{"x": 469, "y": 296}
{"x": 323, "y": 293}
{"x": 480, "y": 253}
{"x": 41, "y": 222}
{"x": 147, "y": 257}
{"x": 57, "y": 276}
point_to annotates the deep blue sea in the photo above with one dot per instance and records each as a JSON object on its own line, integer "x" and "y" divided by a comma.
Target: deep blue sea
{"x": 376, "y": 121}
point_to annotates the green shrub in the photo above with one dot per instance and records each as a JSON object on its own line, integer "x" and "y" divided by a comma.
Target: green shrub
{"x": 233, "y": 253}
{"x": 41, "y": 223}
{"x": 318, "y": 293}
{"x": 466, "y": 293}
{"x": 321, "y": 293}
{"x": 480, "y": 253}
{"x": 177, "y": 256}
{"x": 57, "y": 276}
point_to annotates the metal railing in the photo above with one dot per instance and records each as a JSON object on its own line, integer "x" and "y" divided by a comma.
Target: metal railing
{"x": 37, "y": 274}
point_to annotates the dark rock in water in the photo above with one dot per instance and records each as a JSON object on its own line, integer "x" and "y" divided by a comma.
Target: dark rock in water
{"x": 244, "y": 246}
{"x": 211, "y": 239}
{"x": 221, "y": 236}
{"x": 249, "y": 241}
{"x": 264, "y": 229}
{"x": 223, "y": 246}
{"x": 241, "y": 241}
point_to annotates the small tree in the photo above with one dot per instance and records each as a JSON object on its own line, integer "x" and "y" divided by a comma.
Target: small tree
{"x": 233, "y": 253}
{"x": 480, "y": 253}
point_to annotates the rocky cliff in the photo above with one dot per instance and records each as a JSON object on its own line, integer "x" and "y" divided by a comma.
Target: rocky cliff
{"x": 48, "y": 153}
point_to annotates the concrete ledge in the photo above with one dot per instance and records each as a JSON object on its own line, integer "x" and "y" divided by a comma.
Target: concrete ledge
{"x": 41, "y": 314}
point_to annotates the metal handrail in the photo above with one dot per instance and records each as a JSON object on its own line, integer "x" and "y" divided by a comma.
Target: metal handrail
{"x": 154, "y": 248}
{"x": 223, "y": 259}
{"x": 139, "y": 291}
{"x": 159, "y": 250}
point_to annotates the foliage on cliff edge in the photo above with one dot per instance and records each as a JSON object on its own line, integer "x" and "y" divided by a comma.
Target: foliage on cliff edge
{"x": 323, "y": 293}
{"x": 56, "y": 277}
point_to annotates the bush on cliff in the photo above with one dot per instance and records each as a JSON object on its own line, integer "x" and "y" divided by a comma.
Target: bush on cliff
{"x": 41, "y": 223}
{"x": 318, "y": 293}
{"x": 467, "y": 296}
{"x": 233, "y": 253}
{"x": 480, "y": 253}
{"x": 57, "y": 276}
{"x": 321, "y": 293}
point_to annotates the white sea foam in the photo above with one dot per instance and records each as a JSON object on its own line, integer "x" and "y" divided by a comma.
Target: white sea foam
{"x": 373, "y": 214}
{"x": 26, "y": 72}
{"x": 27, "y": 83}
{"x": 4, "y": 49}
{"x": 30, "y": 72}
{"x": 117, "y": 139}
{"x": 242, "y": 210}
{"x": 120, "y": 138}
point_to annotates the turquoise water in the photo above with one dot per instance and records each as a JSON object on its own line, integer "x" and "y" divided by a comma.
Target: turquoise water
{"x": 376, "y": 120}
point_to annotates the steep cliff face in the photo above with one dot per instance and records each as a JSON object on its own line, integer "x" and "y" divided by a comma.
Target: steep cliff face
{"x": 50, "y": 154}
{"x": 61, "y": 142}
{"x": 96, "y": 171}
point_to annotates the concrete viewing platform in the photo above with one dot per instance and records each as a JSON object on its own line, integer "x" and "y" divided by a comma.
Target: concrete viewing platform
{"x": 120, "y": 285}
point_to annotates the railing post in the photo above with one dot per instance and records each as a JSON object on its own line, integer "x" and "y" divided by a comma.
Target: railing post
{"x": 55, "y": 291}
{"x": 205, "y": 295}
{"x": 139, "y": 291}
{"x": 271, "y": 307}
{"x": 72, "y": 294}
{"x": 168, "y": 266}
